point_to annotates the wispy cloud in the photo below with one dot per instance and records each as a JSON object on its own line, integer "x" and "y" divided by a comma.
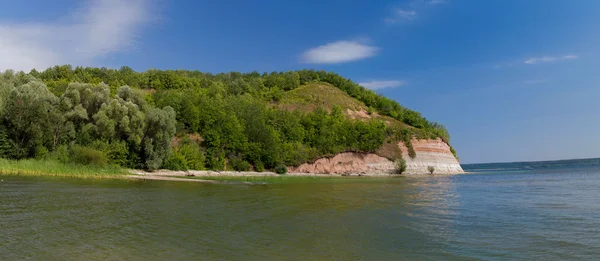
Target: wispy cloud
{"x": 411, "y": 11}
{"x": 534, "y": 81}
{"x": 436, "y": 2}
{"x": 401, "y": 15}
{"x": 99, "y": 28}
{"x": 548, "y": 59}
{"x": 339, "y": 52}
{"x": 377, "y": 85}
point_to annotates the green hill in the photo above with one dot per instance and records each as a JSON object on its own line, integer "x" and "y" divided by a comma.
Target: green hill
{"x": 181, "y": 119}
{"x": 309, "y": 97}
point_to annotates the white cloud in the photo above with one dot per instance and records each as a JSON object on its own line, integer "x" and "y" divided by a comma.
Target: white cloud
{"x": 377, "y": 85}
{"x": 401, "y": 15}
{"x": 548, "y": 59}
{"x": 99, "y": 28}
{"x": 339, "y": 52}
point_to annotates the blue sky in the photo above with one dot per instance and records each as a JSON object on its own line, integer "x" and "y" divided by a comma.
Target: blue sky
{"x": 512, "y": 80}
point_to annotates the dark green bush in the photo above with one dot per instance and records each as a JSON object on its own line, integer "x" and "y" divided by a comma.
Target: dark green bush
{"x": 88, "y": 156}
{"x": 281, "y": 169}
{"x": 259, "y": 167}
{"x": 41, "y": 152}
{"x": 239, "y": 165}
{"x": 117, "y": 152}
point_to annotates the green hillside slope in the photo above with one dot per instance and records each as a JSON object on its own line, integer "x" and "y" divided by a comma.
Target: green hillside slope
{"x": 180, "y": 119}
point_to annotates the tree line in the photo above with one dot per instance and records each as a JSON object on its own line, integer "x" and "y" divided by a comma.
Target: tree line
{"x": 182, "y": 120}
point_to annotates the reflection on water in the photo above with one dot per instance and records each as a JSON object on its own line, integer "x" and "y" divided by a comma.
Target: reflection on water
{"x": 482, "y": 216}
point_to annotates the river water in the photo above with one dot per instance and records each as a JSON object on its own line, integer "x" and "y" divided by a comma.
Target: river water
{"x": 525, "y": 215}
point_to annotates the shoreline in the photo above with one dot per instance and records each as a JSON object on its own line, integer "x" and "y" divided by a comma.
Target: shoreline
{"x": 210, "y": 176}
{"x": 53, "y": 169}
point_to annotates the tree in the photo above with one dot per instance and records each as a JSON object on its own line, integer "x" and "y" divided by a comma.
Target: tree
{"x": 160, "y": 129}
{"x": 120, "y": 120}
{"x": 28, "y": 115}
{"x": 237, "y": 117}
{"x": 5, "y": 144}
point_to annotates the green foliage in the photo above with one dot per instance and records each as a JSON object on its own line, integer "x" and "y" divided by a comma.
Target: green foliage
{"x": 5, "y": 144}
{"x": 431, "y": 169}
{"x": 400, "y": 166}
{"x": 88, "y": 156}
{"x": 411, "y": 151}
{"x": 259, "y": 167}
{"x": 41, "y": 152}
{"x": 252, "y": 119}
{"x": 239, "y": 165}
{"x": 117, "y": 152}
{"x": 29, "y": 113}
{"x": 271, "y": 86}
{"x": 160, "y": 129}
{"x": 60, "y": 154}
{"x": 453, "y": 152}
{"x": 281, "y": 169}
{"x": 192, "y": 153}
{"x": 34, "y": 167}
{"x": 406, "y": 136}
{"x": 176, "y": 161}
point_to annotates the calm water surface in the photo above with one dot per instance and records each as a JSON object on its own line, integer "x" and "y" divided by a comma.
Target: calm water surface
{"x": 534, "y": 215}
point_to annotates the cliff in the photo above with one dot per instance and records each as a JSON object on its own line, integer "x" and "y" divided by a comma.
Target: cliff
{"x": 435, "y": 153}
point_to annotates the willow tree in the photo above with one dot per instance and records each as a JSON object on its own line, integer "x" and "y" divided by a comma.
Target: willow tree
{"x": 160, "y": 129}
{"x": 29, "y": 112}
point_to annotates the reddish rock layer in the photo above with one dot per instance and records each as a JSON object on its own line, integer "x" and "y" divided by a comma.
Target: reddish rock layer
{"x": 435, "y": 153}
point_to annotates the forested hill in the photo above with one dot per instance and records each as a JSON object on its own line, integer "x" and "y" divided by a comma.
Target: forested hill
{"x": 181, "y": 119}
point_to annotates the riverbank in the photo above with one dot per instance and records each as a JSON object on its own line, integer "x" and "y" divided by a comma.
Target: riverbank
{"x": 33, "y": 167}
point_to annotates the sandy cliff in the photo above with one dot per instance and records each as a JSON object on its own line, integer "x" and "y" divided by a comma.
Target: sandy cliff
{"x": 434, "y": 153}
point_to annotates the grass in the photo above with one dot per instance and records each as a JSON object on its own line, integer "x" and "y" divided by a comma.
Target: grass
{"x": 33, "y": 167}
{"x": 309, "y": 97}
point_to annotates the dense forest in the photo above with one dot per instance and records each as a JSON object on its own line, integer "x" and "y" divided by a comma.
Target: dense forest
{"x": 181, "y": 120}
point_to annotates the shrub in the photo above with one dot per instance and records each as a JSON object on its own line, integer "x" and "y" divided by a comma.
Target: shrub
{"x": 431, "y": 169}
{"x": 117, "y": 152}
{"x": 88, "y": 156}
{"x": 176, "y": 161}
{"x": 193, "y": 155}
{"x": 259, "y": 166}
{"x": 41, "y": 152}
{"x": 281, "y": 169}
{"x": 453, "y": 152}
{"x": 400, "y": 166}
{"x": 239, "y": 165}
{"x": 411, "y": 151}
{"x": 60, "y": 154}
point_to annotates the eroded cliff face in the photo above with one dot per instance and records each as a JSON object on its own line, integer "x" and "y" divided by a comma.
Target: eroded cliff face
{"x": 435, "y": 153}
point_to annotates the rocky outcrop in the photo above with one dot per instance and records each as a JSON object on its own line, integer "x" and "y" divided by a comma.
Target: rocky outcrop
{"x": 347, "y": 162}
{"x": 435, "y": 153}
